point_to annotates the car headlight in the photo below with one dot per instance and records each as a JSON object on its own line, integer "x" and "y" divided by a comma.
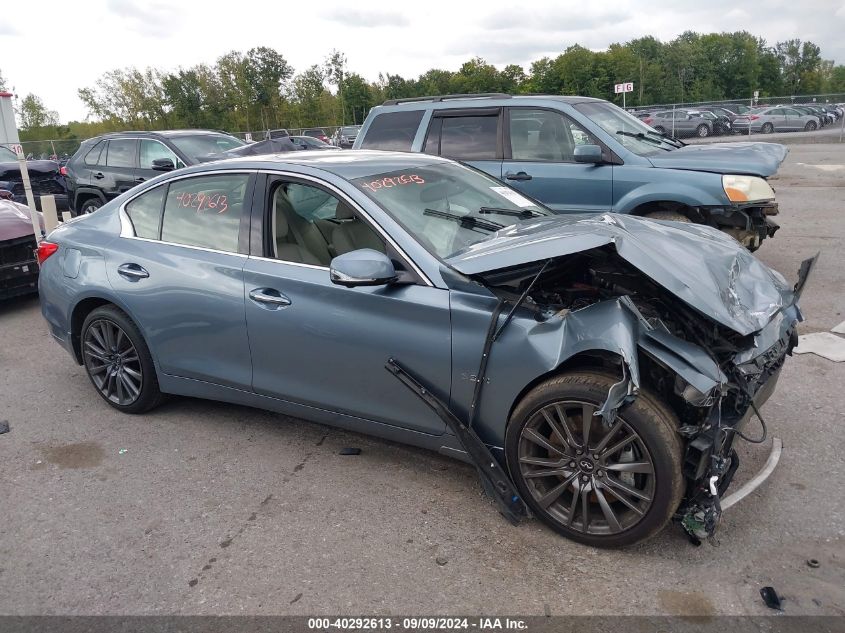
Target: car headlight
{"x": 746, "y": 188}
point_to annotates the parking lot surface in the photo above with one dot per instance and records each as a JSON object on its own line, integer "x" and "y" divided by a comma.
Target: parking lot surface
{"x": 207, "y": 508}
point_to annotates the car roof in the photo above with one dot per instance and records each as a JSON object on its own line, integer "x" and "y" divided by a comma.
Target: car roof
{"x": 481, "y": 99}
{"x": 160, "y": 133}
{"x": 347, "y": 164}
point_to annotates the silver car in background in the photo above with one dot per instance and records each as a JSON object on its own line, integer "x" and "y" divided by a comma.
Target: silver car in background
{"x": 770, "y": 119}
{"x": 680, "y": 123}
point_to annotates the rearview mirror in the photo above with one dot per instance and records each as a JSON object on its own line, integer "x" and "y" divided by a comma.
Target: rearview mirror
{"x": 163, "y": 164}
{"x": 364, "y": 267}
{"x": 588, "y": 154}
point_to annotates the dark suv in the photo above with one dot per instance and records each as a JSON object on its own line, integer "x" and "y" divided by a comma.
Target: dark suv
{"x": 106, "y": 166}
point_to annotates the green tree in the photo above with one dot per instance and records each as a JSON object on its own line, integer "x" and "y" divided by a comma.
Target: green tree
{"x": 34, "y": 114}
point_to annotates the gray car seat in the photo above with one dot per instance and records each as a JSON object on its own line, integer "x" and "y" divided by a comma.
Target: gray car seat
{"x": 353, "y": 233}
{"x": 288, "y": 247}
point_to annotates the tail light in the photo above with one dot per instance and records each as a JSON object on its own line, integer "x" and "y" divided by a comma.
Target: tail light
{"x": 648, "y": 120}
{"x": 44, "y": 250}
{"x": 63, "y": 170}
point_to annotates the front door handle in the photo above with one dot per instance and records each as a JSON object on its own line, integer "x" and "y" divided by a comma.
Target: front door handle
{"x": 140, "y": 179}
{"x": 269, "y": 296}
{"x": 132, "y": 272}
{"x": 520, "y": 175}
{"x": 98, "y": 175}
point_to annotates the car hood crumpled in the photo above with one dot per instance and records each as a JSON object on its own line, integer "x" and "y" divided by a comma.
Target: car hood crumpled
{"x": 15, "y": 221}
{"x": 705, "y": 268}
{"x": 756, "y": 159}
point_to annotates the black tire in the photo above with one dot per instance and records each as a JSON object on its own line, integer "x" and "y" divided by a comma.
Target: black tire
{"x": 657, "y": 446}
{"x": 111, "y": 376}
{"x": 703, "y": 131}
{"x": 767, "y": 128}
{"x": 674, "y": 216}
{"x": 811, "y": 125}
{"x": 90, "y": 205}
{"x": 660, "y": 129}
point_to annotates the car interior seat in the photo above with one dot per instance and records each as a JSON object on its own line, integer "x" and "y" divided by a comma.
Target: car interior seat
{"x": 353, "y": 233}
{"x": 288, "y": 247}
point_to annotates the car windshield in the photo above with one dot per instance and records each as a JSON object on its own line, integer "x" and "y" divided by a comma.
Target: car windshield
{"x": 197, "y": 145}
{"x": 448, "y": 207}
{"x": 628, "y": 130}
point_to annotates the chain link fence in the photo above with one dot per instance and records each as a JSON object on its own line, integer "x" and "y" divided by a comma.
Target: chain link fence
{"x": 821, "y": 99}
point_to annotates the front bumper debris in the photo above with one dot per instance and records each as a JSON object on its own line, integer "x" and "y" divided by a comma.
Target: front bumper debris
{"x": 757, "y": 480}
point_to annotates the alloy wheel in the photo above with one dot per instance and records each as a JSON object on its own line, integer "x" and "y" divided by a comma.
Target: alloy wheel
{"x": 591, "y": 478}
{"x": 112, "y": 362}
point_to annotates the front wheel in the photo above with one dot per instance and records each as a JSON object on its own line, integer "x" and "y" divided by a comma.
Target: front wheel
{"x": 598, "y": 485}
{"x": 702, "y": 131}
{"x": 660, "y": 129}
{"x": 811, "y": 125}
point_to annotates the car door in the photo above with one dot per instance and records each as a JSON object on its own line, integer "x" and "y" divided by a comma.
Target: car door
{"x": 323, "y": 345}
{"x": 471, "y": 135}
{"x": 117, "y": 175}
{"x": 794, "y": 120}
{"x": 178, "y": 269}
{"x": 539, "y": 159}
{"x": 151, "y": 150}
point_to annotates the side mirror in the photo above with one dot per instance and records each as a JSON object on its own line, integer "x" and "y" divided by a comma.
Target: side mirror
{"x": 588, "y": 154}
{"x": 364, "y": 267}
{"x": 163, "y": 164}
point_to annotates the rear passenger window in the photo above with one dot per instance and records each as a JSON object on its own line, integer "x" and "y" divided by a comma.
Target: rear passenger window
{"x": 205, "y": 211}
{"x": 393, "y": 130}
{"x": 470, "y": 137}
{"x": 145, "y": 213}
{"x": 93, "y": 155}
{"x": 122, "y": 153}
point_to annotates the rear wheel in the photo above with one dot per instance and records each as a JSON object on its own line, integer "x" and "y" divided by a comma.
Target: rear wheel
{"x": 118, "y": 361}
{"x": 767, "y": 128}
{"x": 90, "y": 205}
{"x": 702, "y": 130}
{"x": 606, "y": 486}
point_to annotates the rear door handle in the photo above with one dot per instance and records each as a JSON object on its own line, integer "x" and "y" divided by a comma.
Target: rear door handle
{"x": 98, "y": 175}
{"x": 520, "y": 175}
{"x": 132, "y": 272}
{"x": 269, "y": 296}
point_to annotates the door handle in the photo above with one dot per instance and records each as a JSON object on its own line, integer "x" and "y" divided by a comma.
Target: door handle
{"x": 520, "y": 175}
{"x": 140, "y": 179}
{"x": 269, "y": 296}
{"x": 133, "y": 272}
{"x": 98, "y": 175}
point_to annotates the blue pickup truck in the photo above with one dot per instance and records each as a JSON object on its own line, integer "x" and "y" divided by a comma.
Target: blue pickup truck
{"x": 579, "y": 154}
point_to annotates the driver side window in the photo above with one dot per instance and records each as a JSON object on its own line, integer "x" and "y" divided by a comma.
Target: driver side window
{"x": 309, "y": 225}
{"x": 152, "y": 150}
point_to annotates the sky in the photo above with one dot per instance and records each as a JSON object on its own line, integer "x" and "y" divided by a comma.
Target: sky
{"x": 52, "y": 48}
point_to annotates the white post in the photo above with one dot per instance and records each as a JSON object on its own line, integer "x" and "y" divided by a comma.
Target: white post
{"x": 48, "y": 210}
{"x": 30, "y": 198}
{"x": 673, "y": 120}
{"x": 623, "y": 100}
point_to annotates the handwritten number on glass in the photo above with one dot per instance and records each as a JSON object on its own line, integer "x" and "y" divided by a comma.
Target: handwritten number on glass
{"x": 203, "y": 202}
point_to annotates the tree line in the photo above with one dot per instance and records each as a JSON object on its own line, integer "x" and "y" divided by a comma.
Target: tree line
{"x": 259, "y": 89}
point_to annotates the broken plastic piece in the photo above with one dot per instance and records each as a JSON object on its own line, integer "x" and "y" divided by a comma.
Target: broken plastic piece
{"x": 771, "y": 598}
{"x": 350, "y": 451}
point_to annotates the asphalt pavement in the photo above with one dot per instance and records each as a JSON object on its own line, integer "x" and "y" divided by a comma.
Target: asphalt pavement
{"x": 208, "y": 508}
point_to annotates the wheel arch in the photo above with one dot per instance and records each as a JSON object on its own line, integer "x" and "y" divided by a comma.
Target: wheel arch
{"x": 84, "y": 193}
{"x": 83, "y": 308}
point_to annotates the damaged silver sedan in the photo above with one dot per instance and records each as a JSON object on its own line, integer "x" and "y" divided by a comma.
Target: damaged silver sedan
{"x": 596, "y": 370}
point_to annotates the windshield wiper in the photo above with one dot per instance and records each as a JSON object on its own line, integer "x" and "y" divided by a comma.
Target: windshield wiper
{"x": 669, "y": 138}
{"x": 466, "y": 221}
{"x": 517, "y": 213}
{"x": 640, "y": 136}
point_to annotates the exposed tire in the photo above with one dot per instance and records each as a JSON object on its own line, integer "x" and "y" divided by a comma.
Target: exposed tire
{"x": 620, "y": 486}
{"x": 118, "y": 361}
{"x": 660, "y": 129}
{"x": 674, "y": 216}
{"x": 811, "y": 125}
{"x": 90, "y": 205}
{"x": 702, "y": 131}
{"x": 767, "y": 128}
